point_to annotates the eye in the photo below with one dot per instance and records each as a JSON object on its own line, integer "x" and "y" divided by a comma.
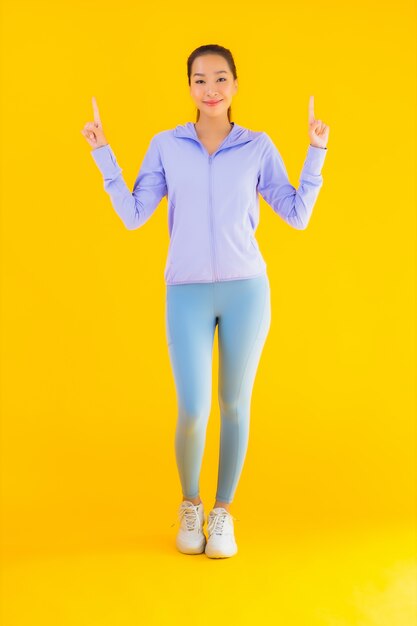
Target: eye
{"x": 200, "y": 80}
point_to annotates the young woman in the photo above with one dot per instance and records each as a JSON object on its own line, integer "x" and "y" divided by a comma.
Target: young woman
{"x": 211, "y": 172}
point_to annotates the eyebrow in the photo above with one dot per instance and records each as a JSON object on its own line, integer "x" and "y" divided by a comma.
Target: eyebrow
{"x": 218, "y": 72}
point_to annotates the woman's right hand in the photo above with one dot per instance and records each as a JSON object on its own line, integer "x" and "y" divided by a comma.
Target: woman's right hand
{"x": 93, "y": 131}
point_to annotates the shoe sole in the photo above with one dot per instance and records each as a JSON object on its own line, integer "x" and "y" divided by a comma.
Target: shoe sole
{"x": 199, "y": 549}
{"x": 216, "y": 554}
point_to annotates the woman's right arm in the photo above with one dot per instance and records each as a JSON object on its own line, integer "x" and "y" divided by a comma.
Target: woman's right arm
{"x": 134, "y": 208}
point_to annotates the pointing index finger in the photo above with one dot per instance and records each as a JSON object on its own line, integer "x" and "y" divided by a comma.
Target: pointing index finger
{"x": 311, "y": 110}
{"x": 97, "y": 119}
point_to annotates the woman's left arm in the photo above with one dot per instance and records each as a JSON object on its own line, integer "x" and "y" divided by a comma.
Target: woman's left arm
{"x": 294, "y": 205}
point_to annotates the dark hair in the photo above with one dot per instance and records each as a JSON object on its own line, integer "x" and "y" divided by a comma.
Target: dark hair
{"x": 212, "y": 49}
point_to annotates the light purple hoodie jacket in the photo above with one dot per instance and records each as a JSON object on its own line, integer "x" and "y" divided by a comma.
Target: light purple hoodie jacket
{"x": 213, "y": 202}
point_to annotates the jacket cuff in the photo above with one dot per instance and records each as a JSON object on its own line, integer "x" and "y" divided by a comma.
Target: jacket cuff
{"x": 106, "y": 161}
{"x": 315, "y": 159}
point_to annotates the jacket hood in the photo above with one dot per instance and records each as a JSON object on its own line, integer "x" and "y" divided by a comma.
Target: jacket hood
{"x": 237, "y": 135}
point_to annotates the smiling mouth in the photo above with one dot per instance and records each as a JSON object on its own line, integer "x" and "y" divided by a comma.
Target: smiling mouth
{"x": 212, "y": 103}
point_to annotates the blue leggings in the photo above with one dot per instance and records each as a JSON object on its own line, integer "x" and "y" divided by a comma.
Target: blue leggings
{"x": 242, "y": 310}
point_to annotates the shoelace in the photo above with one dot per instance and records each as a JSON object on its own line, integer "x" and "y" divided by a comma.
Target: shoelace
{"x": 195, "y": 514}
{"x": 191, "y": 517}
{"x": 216, "y": 521}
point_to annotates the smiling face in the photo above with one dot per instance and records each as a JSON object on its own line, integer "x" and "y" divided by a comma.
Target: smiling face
{"x": 212, "y": 81}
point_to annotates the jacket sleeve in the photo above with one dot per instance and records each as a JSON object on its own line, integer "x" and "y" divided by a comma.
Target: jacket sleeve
{"x": 134, "y": 208}
{"x": 293, "y": 205}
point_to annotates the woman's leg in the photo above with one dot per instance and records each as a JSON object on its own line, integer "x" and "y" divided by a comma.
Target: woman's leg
{"x": 244, "y": 316}
{"x": 190, "y": 326}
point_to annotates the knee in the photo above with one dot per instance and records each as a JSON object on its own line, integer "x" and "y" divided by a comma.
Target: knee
{"x": 229, "y": 408}
{"x": 193, "y": 418}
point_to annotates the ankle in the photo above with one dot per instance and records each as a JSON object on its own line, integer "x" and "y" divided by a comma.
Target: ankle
{"x": 224, "y": 505}
{"x": 195, "y": 500}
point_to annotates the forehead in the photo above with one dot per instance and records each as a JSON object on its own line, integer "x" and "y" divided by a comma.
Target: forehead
{"x": 210, "y": 64}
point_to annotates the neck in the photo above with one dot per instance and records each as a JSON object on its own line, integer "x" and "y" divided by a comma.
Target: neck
{"x": 213, "y": 126}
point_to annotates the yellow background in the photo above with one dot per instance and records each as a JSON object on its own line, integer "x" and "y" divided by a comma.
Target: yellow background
{"x": 326, "y": 503}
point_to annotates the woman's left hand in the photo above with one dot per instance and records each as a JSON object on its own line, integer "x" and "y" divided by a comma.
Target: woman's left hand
{"x": 317, "y": 130}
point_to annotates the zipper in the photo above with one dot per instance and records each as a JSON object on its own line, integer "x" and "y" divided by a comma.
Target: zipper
{"x": 210, "y": 203}
{"x": 211, "y": 212}
{"x": 213, "y": 256}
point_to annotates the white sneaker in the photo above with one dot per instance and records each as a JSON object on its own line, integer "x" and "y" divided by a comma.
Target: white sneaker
{"x": 221, "y": 540}
{"x": 190, "y": 538}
